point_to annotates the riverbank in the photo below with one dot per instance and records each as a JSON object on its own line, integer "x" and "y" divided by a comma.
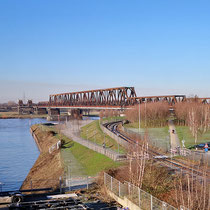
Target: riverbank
{"x": 48, "y": 167}
{"x": 15, "y": 115}
{"x": 77, "y": 157}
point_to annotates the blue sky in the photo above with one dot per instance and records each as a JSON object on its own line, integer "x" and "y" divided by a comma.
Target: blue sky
{"x": 158, "y": 46}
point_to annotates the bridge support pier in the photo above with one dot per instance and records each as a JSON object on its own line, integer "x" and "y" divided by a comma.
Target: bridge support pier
{"x": 76, "y": 113}
{"x": 86, "y": 112}
{"x": 25, "y": 108}
{"x": 40, "y": 110}
{"x": 53, "y": 114}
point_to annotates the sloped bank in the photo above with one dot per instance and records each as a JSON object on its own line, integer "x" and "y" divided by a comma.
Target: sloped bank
{"x": 48, "y": 167}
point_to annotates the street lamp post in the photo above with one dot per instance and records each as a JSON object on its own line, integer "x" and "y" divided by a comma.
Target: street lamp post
{"x": 145, "y": 114}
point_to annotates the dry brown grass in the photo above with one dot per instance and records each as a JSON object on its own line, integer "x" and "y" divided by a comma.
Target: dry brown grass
{"x": 175, "y": 189}
{"x": 48, "y": 167}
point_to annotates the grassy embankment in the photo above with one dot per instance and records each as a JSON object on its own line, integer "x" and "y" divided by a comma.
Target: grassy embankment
{"x": 93, "y": 132}
{"x": 48, "y": 167}
{"x": 11, "y": 115}
{"x": 91, "y": 161}
{"x": 185, "y": 133}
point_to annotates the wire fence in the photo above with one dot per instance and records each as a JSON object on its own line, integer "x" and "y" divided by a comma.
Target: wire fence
{"x": 93, "y": 146}
{"x": 31, "y": 185}
{"x": 62, "y": 184}
{"x": 74, "y": 183}
{"x": 138, "y": 196}
{"x": 161, "y": 141}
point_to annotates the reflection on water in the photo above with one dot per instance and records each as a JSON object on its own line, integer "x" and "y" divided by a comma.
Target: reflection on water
{"x": 18, "y": 151}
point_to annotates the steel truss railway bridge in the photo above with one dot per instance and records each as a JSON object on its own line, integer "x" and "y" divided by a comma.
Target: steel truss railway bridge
{"x": 112, "y": 98}
{"x": 121, "y": 97}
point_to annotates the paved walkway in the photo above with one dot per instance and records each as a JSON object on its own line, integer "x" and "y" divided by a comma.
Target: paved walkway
{"x": 76, "y": 177}
{"x": 72, "y": 130}
{"x": 72, "y": 167}
{"x": 173, "y": 135}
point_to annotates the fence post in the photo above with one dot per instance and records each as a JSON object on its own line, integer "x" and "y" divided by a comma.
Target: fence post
{"x": 105, "y": 179}
{"x": 151, "y": 202}
{"x": 87, "y": 182}
{"x": 69, "y": 183}
{"x": 111, "y": 183}
{"x": 60, "y": 184}
{"x": 119, "y": 189}
{"x": 129, "y": 188}
{"x": 31, "y": 186}
{"x": 139, "y": 197}
{"x": 164, "y": 206}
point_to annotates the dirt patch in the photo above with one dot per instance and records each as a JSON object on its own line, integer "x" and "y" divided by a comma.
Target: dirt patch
{"x": 48, "y": 167}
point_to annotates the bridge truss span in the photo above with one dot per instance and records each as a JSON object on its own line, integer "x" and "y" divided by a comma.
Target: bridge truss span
{"x": 98, "y": 98}
{"x": 171, "y": 99}
{"x": 111, "y": 98}
{"x": 205, "y": 100}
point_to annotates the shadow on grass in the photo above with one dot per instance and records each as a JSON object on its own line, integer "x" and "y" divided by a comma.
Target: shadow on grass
{"x": 68, "y": 145}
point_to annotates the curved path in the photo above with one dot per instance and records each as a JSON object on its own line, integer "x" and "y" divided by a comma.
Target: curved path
{"x": 72, "y": 131}
{"x": 173, "y": 136}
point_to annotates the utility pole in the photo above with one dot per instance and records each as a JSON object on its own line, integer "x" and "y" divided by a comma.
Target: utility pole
{"x": 145, "y": 113}
{"x": 24, "y": 97}
{"x": 139, "y": 117}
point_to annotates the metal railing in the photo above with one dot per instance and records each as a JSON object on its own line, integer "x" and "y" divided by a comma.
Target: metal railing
{"x": 32, "y": 185}
{"x": 95, "y": 147}
{"x": 62, "y": 184}
{"x": 74, "y": 183}
{"x": 138, "y": 196}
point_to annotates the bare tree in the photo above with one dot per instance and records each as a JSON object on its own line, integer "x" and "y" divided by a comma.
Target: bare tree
{"x": 155, "y": 114}
{"x": 195, "y": 115}
{"x": 138, "y": 153}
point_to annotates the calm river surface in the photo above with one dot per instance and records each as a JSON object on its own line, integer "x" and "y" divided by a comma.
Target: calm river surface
{"x": 18, "y": 151}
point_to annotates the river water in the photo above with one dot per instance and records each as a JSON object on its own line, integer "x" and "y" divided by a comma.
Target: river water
{"x": 18, "y": 151}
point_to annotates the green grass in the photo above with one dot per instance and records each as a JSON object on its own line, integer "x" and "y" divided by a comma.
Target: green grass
{"x": 91, "y": 161}
{"x": 159, "y": 133}
{"x": 158, "y": 137}
{"x": 185, "y": 133}
{"x": 93, "y": 132}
